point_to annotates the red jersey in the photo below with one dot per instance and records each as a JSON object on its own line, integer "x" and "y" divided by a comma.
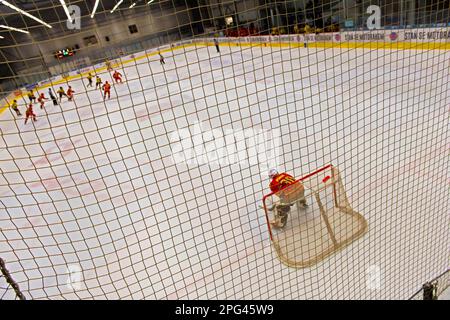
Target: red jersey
{"x": 116, "y": 75}
{"x": 29, "y": 111}
{"x": 70, "y": 92}
{"x": 106, "y": 87}
{"x": 280, "y": 181}
{"x": 41, "y": 98}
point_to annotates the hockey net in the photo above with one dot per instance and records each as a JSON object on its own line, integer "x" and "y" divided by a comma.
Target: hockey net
{"x": 325, "y": 225}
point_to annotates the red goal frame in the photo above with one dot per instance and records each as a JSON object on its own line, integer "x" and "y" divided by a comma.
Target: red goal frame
{"x": 301, "y": 179}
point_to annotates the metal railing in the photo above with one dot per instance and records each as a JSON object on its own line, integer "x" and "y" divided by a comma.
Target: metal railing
{"x": 431, "y": 290}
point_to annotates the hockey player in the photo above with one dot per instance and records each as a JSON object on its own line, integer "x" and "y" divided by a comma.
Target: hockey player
{"x": 161, "y": 58}
{"x": 107, "y": 90}
{"x": 61, "y": 93}
{"x": 108, "y": 65}
{"x": 98, "y": 83}
{"x": 15, "y": 107}
{"x": 289, "y": 191}
{"x": 31, "y": 96}
{"x": 117, "y": 76}
{"x": 42, "y": 99}
{"x": 70, "y": 93}
{"x": 30, "y": 113}
{"x": 89, "y": 77}
{"x": 52, "y": 96}
{"x": 216, "y": 43}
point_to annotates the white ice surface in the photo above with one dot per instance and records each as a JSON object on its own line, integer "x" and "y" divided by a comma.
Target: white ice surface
{"x": 93, "y": 184}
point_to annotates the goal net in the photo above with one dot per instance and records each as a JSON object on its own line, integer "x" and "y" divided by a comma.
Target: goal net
{"x": 149, "y": 184}
{"x": 320, "y": 221}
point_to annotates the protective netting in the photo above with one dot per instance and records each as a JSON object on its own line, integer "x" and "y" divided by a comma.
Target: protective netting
{"x": 156, "y": 191}
{"x": 435, "y": 288}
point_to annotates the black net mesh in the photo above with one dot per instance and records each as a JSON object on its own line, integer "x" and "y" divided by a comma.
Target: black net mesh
{"x": 153, "y": 189}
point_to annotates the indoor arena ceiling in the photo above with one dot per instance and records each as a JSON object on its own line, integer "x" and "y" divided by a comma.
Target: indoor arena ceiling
{"x": 53, "y": 13}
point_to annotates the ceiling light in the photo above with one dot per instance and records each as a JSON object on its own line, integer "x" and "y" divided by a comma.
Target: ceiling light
{"x": 6, "y": 3}
{"x": 13, "y": 29}
{"x": 150, "y": 1}
{"x": 132, "y": 6}
{"x": 95, "y": 8}
{"x": 116, "y": 6}
{"x": 66, "y": 10}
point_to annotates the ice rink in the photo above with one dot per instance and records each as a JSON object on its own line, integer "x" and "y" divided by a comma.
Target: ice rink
{"x": 93, "y": 185}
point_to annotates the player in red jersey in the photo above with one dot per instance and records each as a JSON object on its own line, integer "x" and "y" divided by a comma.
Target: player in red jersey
{"x": 290, "y": 192}
{"x": 41, "y": 100}
{"x": 70, "y": 93}
{"x": 29, "y": 113}
{"x": 117, "y": 76}
{"x": 107, "y": 90}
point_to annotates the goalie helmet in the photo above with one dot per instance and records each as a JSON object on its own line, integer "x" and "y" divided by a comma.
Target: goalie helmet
{"x": 272, "y": 173}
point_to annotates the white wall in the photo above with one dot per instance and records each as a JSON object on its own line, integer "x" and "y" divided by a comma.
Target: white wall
{"x": 117, "y": 32}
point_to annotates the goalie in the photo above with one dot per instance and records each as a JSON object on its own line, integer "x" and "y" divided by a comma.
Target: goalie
{"x": 289, "y": 191}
